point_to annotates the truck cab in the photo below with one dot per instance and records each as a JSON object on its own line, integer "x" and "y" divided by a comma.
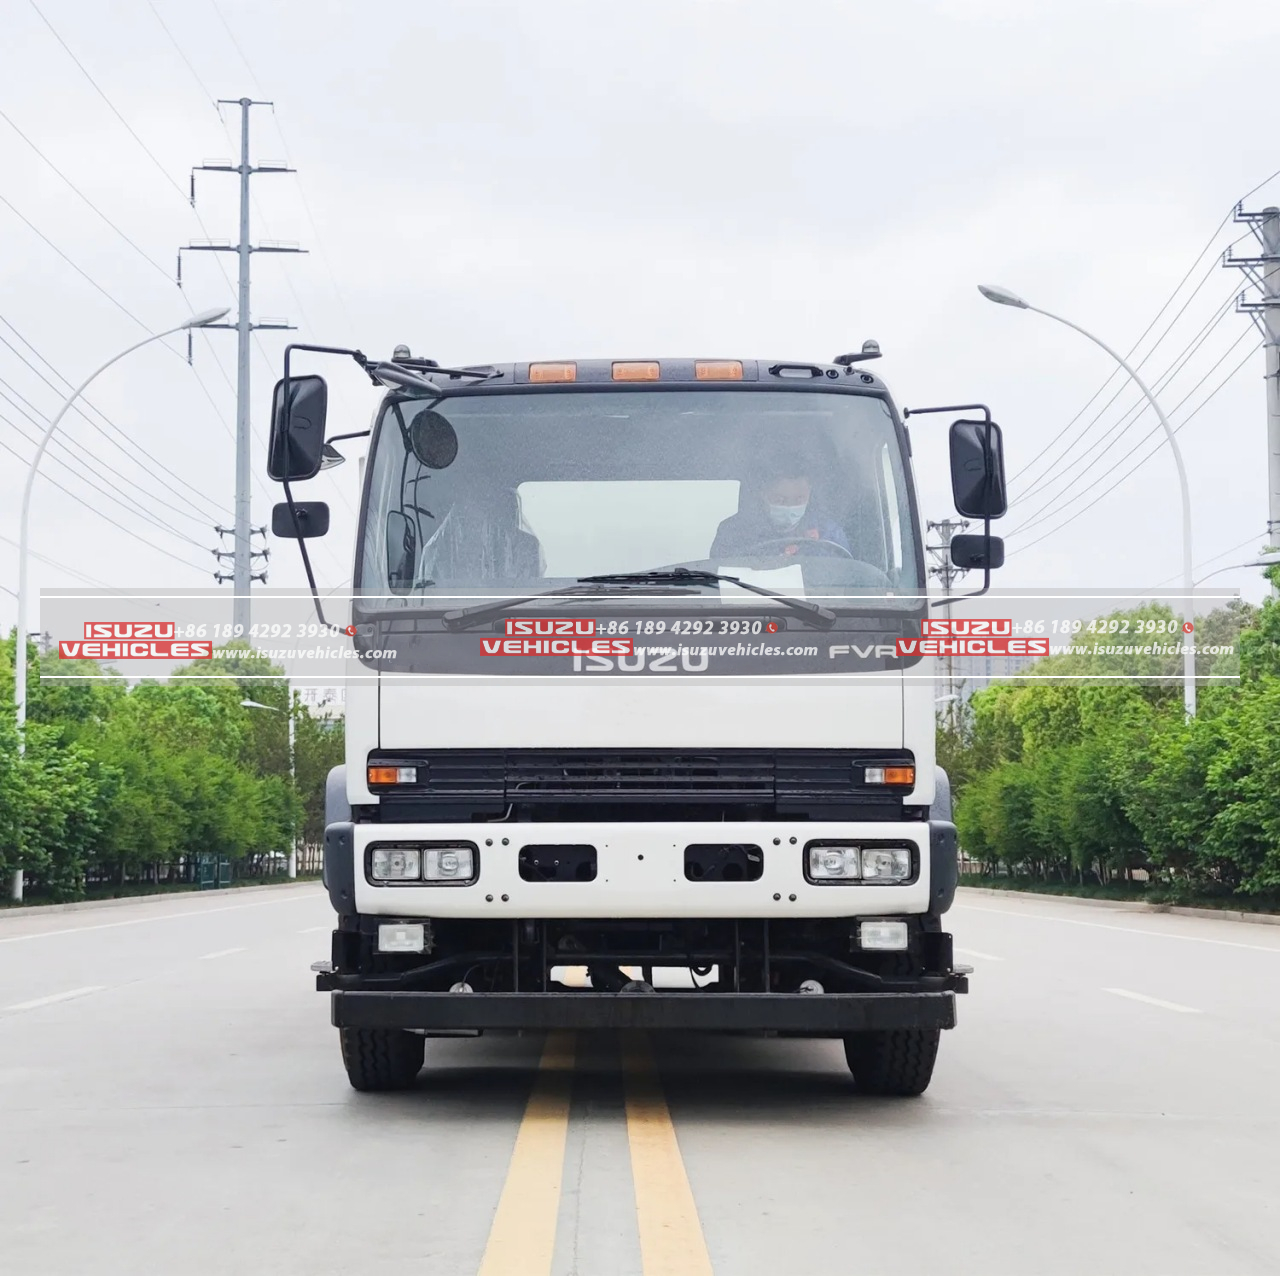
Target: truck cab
{"x": 631, "y": 743}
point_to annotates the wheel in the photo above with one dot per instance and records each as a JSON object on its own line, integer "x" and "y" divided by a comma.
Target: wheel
{"x": 899, "y": 1061}
{"x": 381, "y": 1058}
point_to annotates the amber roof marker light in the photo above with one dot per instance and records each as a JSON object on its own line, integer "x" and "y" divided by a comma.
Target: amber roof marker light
{"x": 540, "y": 373}
{"x": 718, "y": 370}
{"x": 637, "y": 370}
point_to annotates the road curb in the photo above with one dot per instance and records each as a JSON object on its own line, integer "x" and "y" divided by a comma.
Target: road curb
{"x": 1133, "y": 906}
{"x": 31, "y": 910}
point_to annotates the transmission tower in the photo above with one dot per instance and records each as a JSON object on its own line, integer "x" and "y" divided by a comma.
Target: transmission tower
{"x": 243, "y": 554}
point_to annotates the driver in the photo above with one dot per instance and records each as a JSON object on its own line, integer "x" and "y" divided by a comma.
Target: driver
{"x": 781, "y": 513}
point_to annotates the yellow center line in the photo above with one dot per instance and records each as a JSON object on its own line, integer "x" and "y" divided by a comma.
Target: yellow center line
{"x": 522, "y": 1239}
{"x": 671, "y": 1239}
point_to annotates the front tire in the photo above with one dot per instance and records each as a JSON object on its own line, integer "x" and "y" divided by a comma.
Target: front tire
{"x": 381, "y": 1058}
{"x": 894, "y": 1062}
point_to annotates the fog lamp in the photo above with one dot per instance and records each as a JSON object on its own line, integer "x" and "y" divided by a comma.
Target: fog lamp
{"x": 401, "y": 937}
{"x": 885, "y": 937}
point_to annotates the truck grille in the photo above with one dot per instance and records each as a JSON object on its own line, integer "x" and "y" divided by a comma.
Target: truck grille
{"x": 587, "y": 775}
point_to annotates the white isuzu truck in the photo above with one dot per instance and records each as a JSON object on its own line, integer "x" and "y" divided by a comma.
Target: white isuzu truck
{"x": 630, "y": 698}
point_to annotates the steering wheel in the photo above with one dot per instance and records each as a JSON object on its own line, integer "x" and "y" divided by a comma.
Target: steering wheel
{"x": 801, "y": 543}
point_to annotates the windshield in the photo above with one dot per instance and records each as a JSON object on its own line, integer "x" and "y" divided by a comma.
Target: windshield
{"x": 491, "y": 495}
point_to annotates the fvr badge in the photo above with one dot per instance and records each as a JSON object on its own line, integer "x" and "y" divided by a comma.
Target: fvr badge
{"x": 882, "y": 649}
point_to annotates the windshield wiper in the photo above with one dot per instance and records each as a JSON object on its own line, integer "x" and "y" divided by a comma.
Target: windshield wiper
{"x": 820, "y": 617}
{"x": 587, "y": 587}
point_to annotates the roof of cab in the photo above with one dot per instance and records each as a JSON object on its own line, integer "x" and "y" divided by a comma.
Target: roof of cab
{"x": 640, "y": 373}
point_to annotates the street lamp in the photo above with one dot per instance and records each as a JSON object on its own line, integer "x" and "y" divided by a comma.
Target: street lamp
{"x": 1263, "y": 560}
{"x": 1003, "y": 297}
{"x": 20, "y": 645}
{"x": 293, "y": 779}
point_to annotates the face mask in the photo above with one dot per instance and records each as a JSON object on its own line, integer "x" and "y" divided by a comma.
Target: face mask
{"x": 785, "y": 517}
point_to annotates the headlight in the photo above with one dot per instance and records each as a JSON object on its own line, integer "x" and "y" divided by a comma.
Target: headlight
{"x": 886, "y": 863}
{"x": 395, "y": 864}
{"x": 873, "y": 865}
{"x": 449, "y": 864}
{"x": 834, "y": 863}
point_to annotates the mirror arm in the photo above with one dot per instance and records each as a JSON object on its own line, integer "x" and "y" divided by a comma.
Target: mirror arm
{"x": 286, "y": 398}
{"x": 359, "y": 434}
{"x": 959, "y": 407}
{"x": 986, "y": 522}
{"x": 986, "y": 571}
{"x": 306, "y": 558}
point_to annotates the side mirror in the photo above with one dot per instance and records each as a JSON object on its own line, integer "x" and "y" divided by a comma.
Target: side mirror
{"x": 977, "y": 552}
{"x": 402, "y": 552}
{"x": 295, "y": 450}
{"x": 313, "y": 520}
{"x": 977, "y": 469}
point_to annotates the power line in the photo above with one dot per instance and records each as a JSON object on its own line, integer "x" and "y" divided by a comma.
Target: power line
{"x": 29, "y": 411}
{"x": 1143, "y": 461}
{"x": 204, "y": 88}
{"x": 79, "y": 575}
{"x": 1152, "y": 324}
{"x": 231, "y": 35}
{"x": 1154, "y": 429}
{"x": 1204, "y": 562}
{"x": 315, "y": 230}
{"x": 119, "y": 305}
{"x": 1050, "y": 475}
{"x": 110, "y": 105}
{"x": 1115, "y": 372}
{"x": 151, "y": 261}
{"x": 91, "y": 509}
{"x": 1127, "y": 420}
{"x": 132, "y": 508}
{"x": 53, "y": 562}
{"x": 79, "y": 409}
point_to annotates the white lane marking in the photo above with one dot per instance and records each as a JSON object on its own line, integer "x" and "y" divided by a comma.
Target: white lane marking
{"x": 973, "y": 952}
{"x": 311, "y": 930}
{"x": 1154, "y": 1001}
{"x": 1129, "y": 930}
{"x": 222, "y": 952}
{"x": 159, "y": 917}
{"x": 57, "y": 996}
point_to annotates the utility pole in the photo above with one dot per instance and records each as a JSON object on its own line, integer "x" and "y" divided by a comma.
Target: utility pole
{"x": 1263, "y": 273}
{"x": 948, "y": 573}
{"x": 243, "y": 553}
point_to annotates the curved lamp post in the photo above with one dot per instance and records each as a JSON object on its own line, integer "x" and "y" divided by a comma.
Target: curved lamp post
{"x": 1003, "y": 297}
{"x": 20, "y": 643}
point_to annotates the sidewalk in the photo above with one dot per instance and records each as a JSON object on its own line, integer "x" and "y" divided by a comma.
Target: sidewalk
{"x": 1131, "y": 905}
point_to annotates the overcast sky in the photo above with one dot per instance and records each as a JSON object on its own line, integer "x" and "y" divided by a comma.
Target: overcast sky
{"x": 493, "y": 181}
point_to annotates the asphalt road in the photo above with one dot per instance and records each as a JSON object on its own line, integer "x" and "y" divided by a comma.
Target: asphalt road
{"x": 172, "y": 1101}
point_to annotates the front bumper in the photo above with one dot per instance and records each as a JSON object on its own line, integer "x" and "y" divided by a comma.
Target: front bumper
{"x": 641, "y": 872}
{"x": 801, "y": 1014}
